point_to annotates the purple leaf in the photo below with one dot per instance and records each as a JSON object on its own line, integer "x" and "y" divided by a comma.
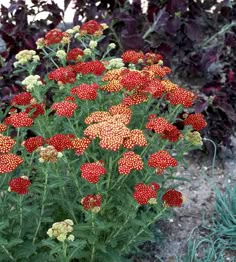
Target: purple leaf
{"x": 193, "y": 31}
{"x": 173, "y": 25}
{"x": 228, "y": 110}
{"x": 201, "y": 106}
{"x": 174, "y": 6}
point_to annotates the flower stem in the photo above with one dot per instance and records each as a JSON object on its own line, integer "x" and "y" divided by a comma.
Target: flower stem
{"x": 42, "y": 208}
{"x": 21, "y": 215}
{"x": 93, "y": 244}
{"x": 8, "y": 253}
{"x": 142, "y": 230}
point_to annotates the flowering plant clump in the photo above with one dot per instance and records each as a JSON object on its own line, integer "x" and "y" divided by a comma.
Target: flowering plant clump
{"x": 100, "y": 155}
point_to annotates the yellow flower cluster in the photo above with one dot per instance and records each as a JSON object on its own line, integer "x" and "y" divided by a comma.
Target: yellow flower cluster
{"x": 31, "y": 81}
{"x": 25, "y": 56}
{"x": 60, "y": 230}
{"x": 115, "y": 63}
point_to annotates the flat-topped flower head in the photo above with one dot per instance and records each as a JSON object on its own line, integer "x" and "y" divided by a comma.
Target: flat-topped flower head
{"x": 152, "y": 58}
{"x": 64, "y": 108}
{"x": 32, "y": 143}
{"x": 34, "y": 110}
{"x": 92, "y": 172}
{"x": 19, "y": 185}
{"x": 136, "y": 98}
{"x": 121, "y": 109}
{"x": 54, "y": 36}
{"x": 145, "y": 194}
{"x": 91, "y": 28}
{"x": 95, "y": 67}
{"x": 22, "y": 99}
{"x": 129, "y": 161}
{"x": 9, "y": 162}
{"x": 92, "y": 202}
{"x": 63, "y": 75}
{"x": 60, "y": 230}
{"x": 75, "y": 54}
{"x": 161, "y": 160}
{"x": 48, "y": 154}
{"x": 85, "y": 91}
{"x": 19, "y": 120}
{"x": 136, "y": 138}
{"x": 61, "y": 141}
{"x": 132, "y": 57}
{"x": 80, "y": 144}
{"x": 112, "y": 86}
{"x": 6, "y": 143}
{"x": 181, "y": 96}
{"x": 196, "y": 121}
{"x": 172, "y": 198}
{"x": 133, "y": 80}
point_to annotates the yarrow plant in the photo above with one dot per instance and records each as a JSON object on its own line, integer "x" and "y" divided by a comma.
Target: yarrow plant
{"x": 98, "y": 158}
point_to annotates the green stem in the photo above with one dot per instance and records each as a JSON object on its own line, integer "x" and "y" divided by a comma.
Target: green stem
{"x": 47, "y": 55}
{"x": 93, "y": 244}
{"x": 64, "y": 248}
{"x": 42, "y": 207}
{"x": 21, "y": 215}
{"x": 8, "y": 253}
{"x": 142, "y": 230}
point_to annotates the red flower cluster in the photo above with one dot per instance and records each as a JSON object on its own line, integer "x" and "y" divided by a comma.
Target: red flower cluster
{"x": 9, "y": 162}
{"x": 172, "y": 198}
{"x": 132, "y": 57}
{"x": 6, "y": 143}
{"x": 133, "y": 80}
{"x": 91, "y": 28}
{"x": 155, "y": 88}
{"x": 75, "y": 54}
{"x": 181, "y": 96}
{"x": 33, "y": 143}
{"x": 54, "y": 37}
{"x": 145, "y": 194}
{"x": 158, "y": 70}
{"x": 95, "y": 67}
{"x": 63, "y": 75}
{"x": 161, "y": 126}
{"x": 92, "y": 202}
{"x": 34, "y": 110}
{"x": 21, "y": 99}
{"x": 161, "y": 160}
{"x": 92, "y": 171}
{"x": 19, "y": 120}
{"x": 196, "y": 121}
{"x": 19, "y": 185}
{"x": 85, "y": 91}
{"x": 61, "y": 141}
{"x": 129, "y": 161}
{"x": 64, "y": 108}
{"x": 80, "y": 145}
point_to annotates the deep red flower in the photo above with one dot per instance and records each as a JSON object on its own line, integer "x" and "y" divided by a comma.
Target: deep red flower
{"x": 19, "y": 185}
{"x": 35, "y": 110}
{"x": 63, "y": 75}
{"x": 9, "y": 162}
{"x": 91, "y": 28}
{"x": 53, "y": 37}
{"x": 19, "y": 120}
{"x": 92, "y": 171}
{"x": 129, "y": 161}
{"x": 61, "y": 141}
{"x": 181, "y": 96}
{"x": 172, "y": 198}
{"x": 95, "y": 67}
{"x": 85, "y": 91}
{"x": 21, "y": 99}
{"x": 33, "y": 143}
{"x": 64, "y": 108}
{"x": 145, "y": 194}
{"x": 133, "y": 80}
{"x": 91, "y": 201}
{"x": 75, "y": 54}
{"x": 161, "y": 160}
{"x": 6, "y": 143}
{"x": 152, "y": 58}
{"x": 131, "y": 56}
{"x": 196, "y": 121}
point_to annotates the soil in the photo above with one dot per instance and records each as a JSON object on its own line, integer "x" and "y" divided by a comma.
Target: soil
{"x": 200, "y": 199}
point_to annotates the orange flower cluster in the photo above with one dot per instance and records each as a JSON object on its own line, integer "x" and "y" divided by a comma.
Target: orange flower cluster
{"x": 9, "y": 162}
{"x": 129, "y": 161}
